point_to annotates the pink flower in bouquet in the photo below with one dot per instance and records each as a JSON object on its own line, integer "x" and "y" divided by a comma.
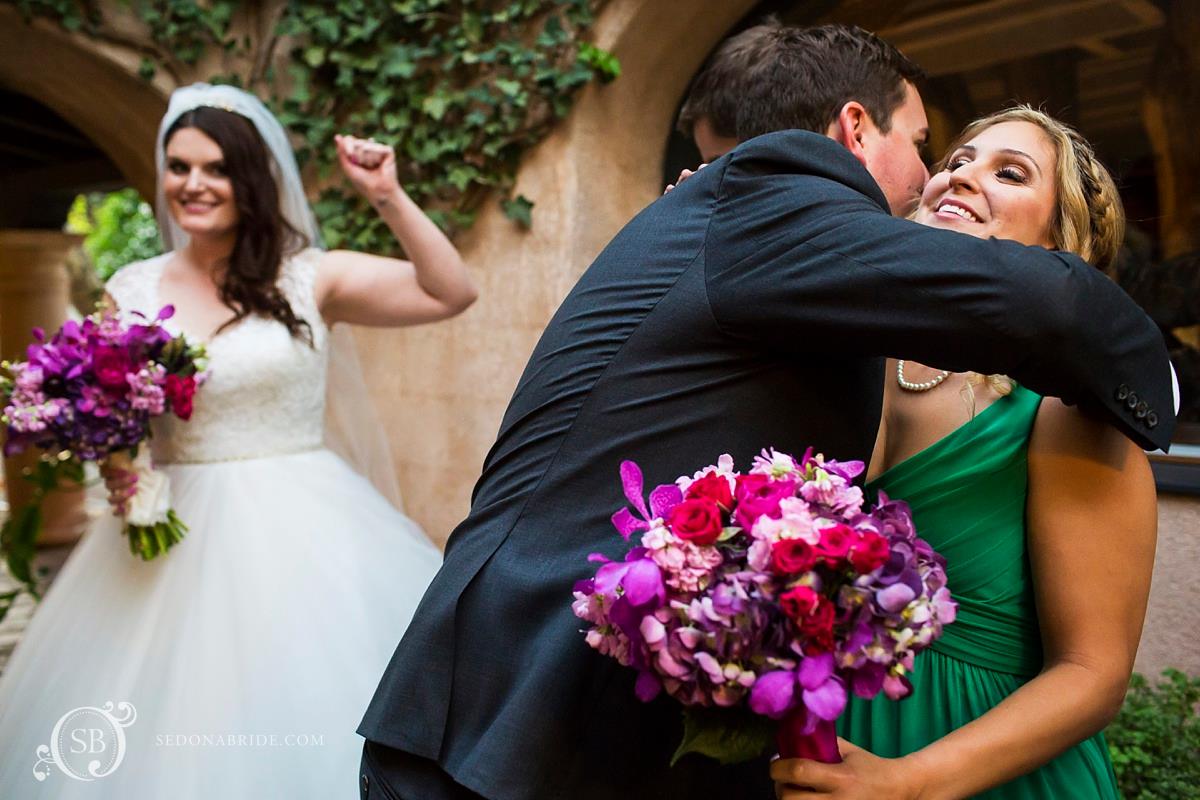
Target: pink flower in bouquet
{"x": 686, "y": 566}
{"x": 773, "y": 591}
{"x": 758, "y": 496}
{"x": 145, "y": 390}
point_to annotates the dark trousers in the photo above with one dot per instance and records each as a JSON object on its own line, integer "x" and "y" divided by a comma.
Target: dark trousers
{"x": 389, "y": 774}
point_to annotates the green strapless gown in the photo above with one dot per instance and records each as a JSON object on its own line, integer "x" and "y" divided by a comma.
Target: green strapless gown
{"x": 967, "y": 493}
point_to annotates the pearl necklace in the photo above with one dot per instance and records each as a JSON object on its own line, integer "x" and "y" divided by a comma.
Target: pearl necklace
{"x": 932, "y": 383}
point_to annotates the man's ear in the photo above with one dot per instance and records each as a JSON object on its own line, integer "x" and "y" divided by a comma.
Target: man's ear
{"x": 849, "y": 127}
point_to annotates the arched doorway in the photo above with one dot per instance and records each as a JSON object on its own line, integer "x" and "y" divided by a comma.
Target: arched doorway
{"x": 72, "y": 121}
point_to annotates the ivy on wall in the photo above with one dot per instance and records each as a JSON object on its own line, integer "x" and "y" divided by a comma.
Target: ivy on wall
{"x": 461, "y": 88}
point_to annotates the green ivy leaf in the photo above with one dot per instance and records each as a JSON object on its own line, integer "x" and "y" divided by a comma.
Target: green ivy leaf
{"x": 508, "y": 87}
{"x": 434, "y": 106}
{"x": 605, "y": 64}
{"x": 520, "y": 210}
{"x": 314, "y": 55}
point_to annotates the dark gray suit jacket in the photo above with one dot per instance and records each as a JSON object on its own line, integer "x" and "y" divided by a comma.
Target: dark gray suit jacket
{"x": 750, "y": 307}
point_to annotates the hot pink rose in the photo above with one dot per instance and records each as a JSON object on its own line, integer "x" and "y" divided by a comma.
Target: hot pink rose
{"x": 112, "y": 365}
{"x": 799, "y": 602}
{"x": 835, "y": 543}
{"x": 760, "y": 495}
{"x": 870, "y": 552}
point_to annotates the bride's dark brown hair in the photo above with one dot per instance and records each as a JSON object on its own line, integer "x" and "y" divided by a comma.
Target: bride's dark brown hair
{"x": 264, "y": 236}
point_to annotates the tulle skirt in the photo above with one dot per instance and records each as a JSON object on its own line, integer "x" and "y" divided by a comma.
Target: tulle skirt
{"x": 239, "y": 664}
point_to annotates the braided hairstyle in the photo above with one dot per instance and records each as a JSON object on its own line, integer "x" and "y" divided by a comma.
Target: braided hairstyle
{"x": 1089, "y": 219}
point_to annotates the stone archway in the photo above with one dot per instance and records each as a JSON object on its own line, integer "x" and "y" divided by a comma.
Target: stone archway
{"x": 443, "y": 388}
{"x": 94, "y": 87}
{"x": 112, "y": 107}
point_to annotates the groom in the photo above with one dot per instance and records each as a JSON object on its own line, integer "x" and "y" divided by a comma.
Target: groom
{"x": 751, "y": 307}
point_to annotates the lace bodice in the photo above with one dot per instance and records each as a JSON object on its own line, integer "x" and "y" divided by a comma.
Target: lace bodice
{"x": 265, "y": 393}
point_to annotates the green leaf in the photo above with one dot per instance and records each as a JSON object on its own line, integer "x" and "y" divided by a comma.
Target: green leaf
{"x": 729, "y": 533}
{"x": 509, "y": 88}
{"x": 435, "y": 106}
{"x": 328, "y": 28}
{"x": 729, "y": 735}
{"x": 605, "y": 64}
{"x": 520, "y": 210}
{"x": 314, "y": 55}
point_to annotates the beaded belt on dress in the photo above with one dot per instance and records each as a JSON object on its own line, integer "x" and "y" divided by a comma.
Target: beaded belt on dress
{"x": 224, "y": 459}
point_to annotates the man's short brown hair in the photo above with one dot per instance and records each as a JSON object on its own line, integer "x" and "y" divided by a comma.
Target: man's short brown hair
{"x": 716, "y": 90}
{"x": 777, "y": 77}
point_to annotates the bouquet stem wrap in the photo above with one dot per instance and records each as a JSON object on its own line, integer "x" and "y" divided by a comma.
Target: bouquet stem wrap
{"x": 819, "y": 745}
{"x": 151, "y": 524}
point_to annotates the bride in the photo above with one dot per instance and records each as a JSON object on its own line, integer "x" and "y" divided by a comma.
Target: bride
{"x": 238, "y": 664}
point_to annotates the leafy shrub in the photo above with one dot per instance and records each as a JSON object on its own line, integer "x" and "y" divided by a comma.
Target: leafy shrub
{"x": 1155, "y": 739}
{"x": 119, "y": 228}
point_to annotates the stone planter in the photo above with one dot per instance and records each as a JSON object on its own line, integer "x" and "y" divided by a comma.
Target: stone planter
{"x": 34, "y": 294}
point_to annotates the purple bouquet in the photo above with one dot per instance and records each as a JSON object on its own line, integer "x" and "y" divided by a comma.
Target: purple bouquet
{"x": 90, "y": 391}
{"x": 760, "y": 600}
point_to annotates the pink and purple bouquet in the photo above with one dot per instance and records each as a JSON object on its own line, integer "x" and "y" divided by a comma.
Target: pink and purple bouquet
{"x": 90, "y": 391}
{"x": 761, "y": 600}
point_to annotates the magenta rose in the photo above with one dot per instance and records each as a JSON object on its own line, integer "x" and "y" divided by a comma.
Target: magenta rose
{"x": 799, "y": 602}
{"x": 697, "y": 521}
{"x": 817, "y": 628}
{"x": 760, "y": 495}
{"x": 180, "y": 391}
{"x": 835, "y": 543}
{"x": 790, "y": 556}
{"x": 870, "y": 552}
{"x": 111, "y": 366}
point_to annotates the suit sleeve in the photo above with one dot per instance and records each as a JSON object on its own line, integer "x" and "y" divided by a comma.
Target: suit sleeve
{"x": 808, "y": 265}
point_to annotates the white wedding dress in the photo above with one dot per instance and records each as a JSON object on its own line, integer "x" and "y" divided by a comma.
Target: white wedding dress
{"x": 249, "y": 652}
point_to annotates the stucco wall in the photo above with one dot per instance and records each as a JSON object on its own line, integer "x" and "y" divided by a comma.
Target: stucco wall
{"x": 442, "y": 389}
{"x": 1169, "y": 638}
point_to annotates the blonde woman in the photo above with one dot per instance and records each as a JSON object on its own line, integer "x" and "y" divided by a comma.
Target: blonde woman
{"x": 1046, "y": 518}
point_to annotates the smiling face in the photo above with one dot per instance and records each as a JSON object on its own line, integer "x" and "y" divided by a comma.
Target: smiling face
{"x": 199, "y": 192}
{"x": 1000, "y": 183}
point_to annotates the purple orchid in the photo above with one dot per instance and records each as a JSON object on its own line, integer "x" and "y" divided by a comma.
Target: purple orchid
{"x": 662, "y": 500}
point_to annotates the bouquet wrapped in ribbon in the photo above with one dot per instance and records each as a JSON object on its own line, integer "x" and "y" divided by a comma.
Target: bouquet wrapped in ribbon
{"x": 761, "y": 600}
{"x": 89, "y": 392}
